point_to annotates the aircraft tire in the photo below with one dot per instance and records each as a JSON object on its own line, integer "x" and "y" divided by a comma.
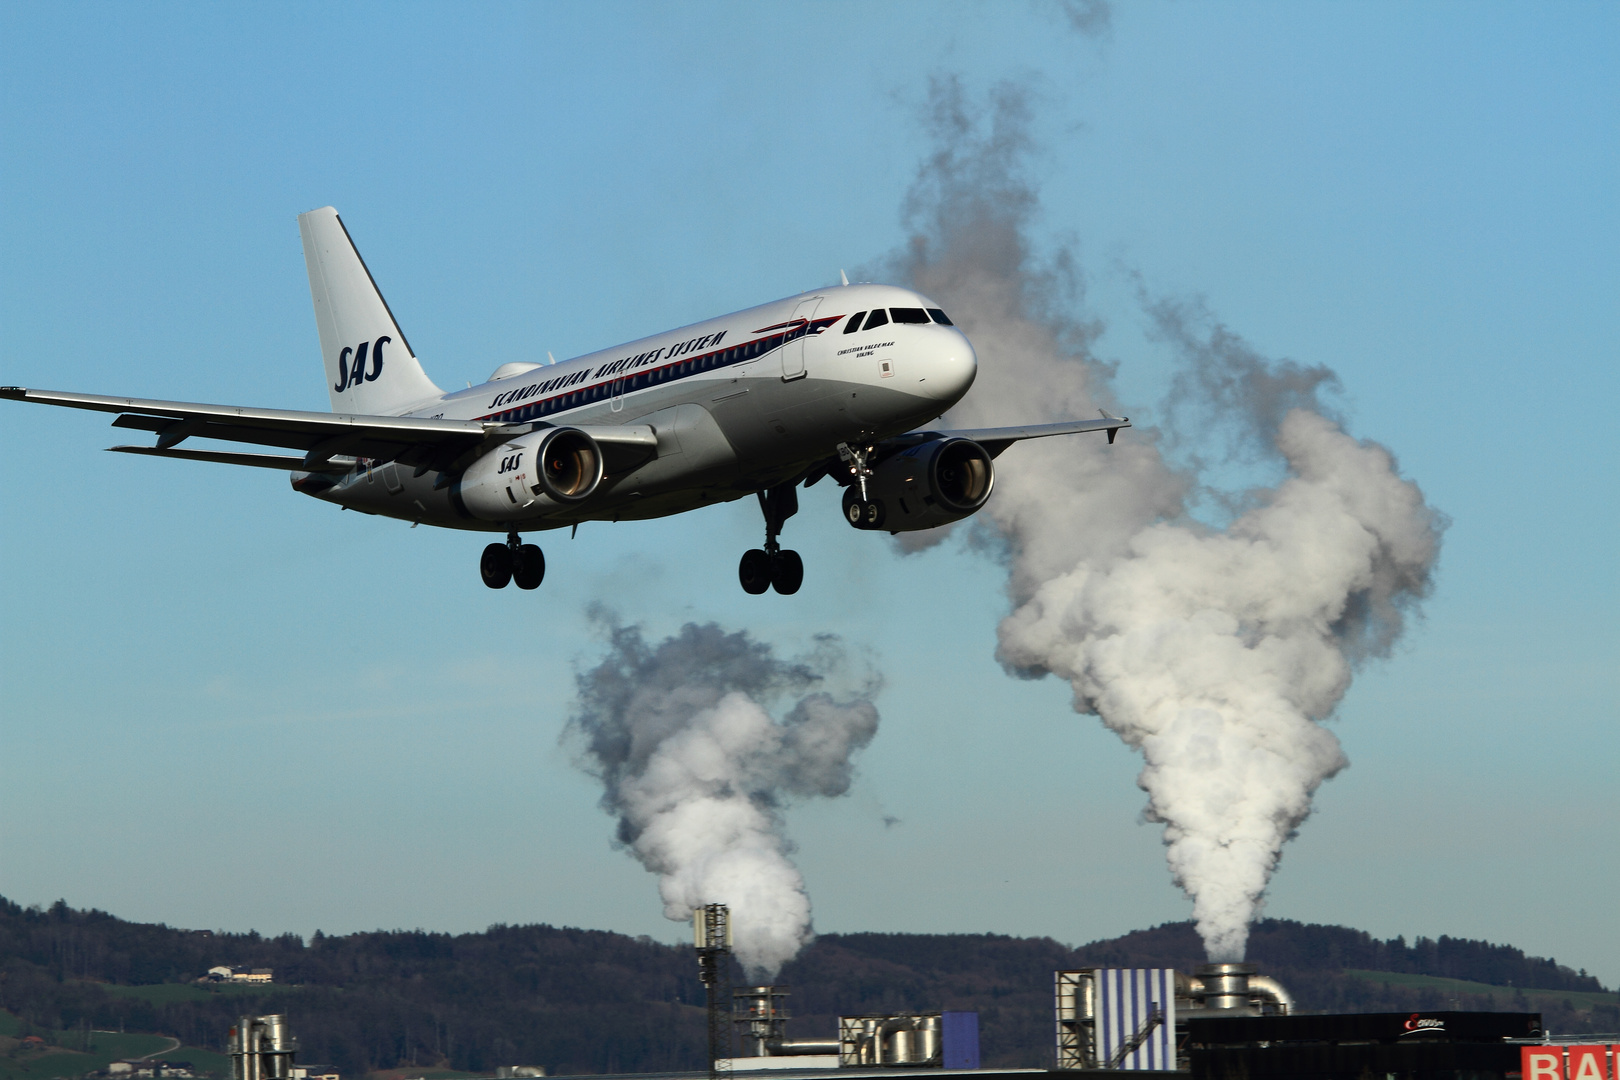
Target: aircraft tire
{"x": 787, "y": 572}
{"x": 854, "y": 509}
{"x": 755, "y": 571}
{"x": 529, "y": 567}
{"x": 495, "y": 567}
{"x": 862, "y": 514}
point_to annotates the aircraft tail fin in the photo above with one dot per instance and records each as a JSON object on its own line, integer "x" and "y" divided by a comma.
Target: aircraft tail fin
{"x": 370, "y": 367}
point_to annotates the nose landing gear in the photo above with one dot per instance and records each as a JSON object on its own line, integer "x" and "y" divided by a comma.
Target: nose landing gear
{"x": 862, "y": 513}
{"x": 513, "y": 561}
{"x": 859, "y": 510}
{"x": 773, "y": 567}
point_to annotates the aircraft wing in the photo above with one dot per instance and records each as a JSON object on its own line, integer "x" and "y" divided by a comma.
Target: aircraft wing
{"x": 995, "y": 440}
{"x": 426, "y": 444}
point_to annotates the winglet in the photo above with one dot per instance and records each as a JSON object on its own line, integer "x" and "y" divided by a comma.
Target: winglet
{"x": 843, "y": 277}
{"x": 1113, "y": 430}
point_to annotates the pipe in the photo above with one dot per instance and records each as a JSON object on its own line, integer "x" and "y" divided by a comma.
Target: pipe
{"x": 794, "y": 1047}
{"x": 1264, "y": 986}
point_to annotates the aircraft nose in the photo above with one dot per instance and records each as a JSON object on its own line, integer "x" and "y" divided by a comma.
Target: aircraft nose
{"x": 951, "y": 368}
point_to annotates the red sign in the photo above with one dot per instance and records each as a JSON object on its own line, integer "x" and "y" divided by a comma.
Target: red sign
{"x": 1542, "y": 1062}
{"x": 1587, "y": 1063}
{"x": 1584, "y": 1062}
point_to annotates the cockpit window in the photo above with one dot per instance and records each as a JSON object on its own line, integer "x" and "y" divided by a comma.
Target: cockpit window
{"x": 939, "y": 317}
{"x": 854, "y": 323}
{"x": 909, "y": 314}
{"x": 877, "y": 318}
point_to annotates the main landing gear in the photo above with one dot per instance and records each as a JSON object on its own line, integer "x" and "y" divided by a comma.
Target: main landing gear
{"x": 512, "y": 561}
{"x": 774, "y": 567}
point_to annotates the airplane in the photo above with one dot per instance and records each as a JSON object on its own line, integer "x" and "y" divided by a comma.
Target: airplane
{"x": 833, "y": 383}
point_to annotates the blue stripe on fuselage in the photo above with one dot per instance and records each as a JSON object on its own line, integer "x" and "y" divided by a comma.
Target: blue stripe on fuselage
{"x": 658, "y": 376}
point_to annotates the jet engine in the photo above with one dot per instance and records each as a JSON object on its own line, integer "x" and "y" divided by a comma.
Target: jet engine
{"x": 532, "y": 475}
{"x": 923, "y": 487}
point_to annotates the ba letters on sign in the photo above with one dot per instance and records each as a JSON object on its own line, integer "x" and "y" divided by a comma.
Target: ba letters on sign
{"x": 1581, "y": 1063}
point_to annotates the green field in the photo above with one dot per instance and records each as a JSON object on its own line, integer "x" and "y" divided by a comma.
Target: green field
{"x": 1581, "y": 999}
{"x": 103, "y": 1047}
{"x": 72, "y": 1057}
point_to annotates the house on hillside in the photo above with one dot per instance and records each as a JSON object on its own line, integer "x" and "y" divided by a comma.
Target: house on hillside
{"x": 239, "y": 974}
{"x": 314, "y": 1072}
{"x": 140, "y": 1068}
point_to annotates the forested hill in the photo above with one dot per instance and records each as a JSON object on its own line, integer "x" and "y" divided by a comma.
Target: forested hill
{"x": 582, "y": 1001}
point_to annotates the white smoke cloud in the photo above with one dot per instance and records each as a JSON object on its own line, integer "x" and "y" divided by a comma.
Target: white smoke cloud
{"x": 697, "y": 770}
{"x": 1215, "y": 651}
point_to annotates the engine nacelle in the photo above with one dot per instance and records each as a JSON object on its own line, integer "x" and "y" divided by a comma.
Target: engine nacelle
{"x": 927, "y": 486}
{"x": 531, "y": 475}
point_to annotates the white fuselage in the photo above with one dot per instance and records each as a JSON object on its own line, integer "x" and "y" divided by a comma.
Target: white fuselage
{"x": 739, "y": 404}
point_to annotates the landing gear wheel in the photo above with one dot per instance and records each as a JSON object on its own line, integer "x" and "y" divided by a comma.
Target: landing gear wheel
{"x": 496, "y": 566}
{"x": 755, "y": 571}
{"x": 528, "y": 567}
{"x": 863, "y": 514}
{"x": 787, "y": 572}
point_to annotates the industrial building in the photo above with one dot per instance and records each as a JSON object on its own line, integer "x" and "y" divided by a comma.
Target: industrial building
{"x": 1222, "y": 1022}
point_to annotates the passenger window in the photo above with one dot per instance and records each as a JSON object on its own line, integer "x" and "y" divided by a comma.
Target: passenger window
{"x": 854, "y": 323}
{"x": 909, "y": 315}
{"x": 877, "y": 318}
{"x": 939, "y": 317}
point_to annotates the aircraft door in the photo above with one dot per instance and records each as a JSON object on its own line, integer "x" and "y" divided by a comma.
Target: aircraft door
{"x": 618, "y": 393}
{"x": 793, "y": 351}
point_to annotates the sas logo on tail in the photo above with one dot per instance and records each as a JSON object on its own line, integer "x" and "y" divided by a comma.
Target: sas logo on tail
{"x": 356, "y": 373}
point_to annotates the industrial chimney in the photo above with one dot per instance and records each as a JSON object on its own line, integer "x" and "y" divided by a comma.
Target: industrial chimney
{"x": 761, "y": 1016}
{"x": 1231, "y": 990}
{"x": 262, "y": 1048}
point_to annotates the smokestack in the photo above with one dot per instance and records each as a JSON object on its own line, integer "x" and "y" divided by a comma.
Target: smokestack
{"x": 1226, "y": 986}
{"x": 697, "y": 769}
{"x": 261, "y": 1048}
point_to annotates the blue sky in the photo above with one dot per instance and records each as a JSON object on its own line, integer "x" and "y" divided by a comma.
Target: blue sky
{"x": 225, "y": 705}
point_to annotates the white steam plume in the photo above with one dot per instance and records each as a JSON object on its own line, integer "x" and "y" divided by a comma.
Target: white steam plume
{"x": 1216, "y": 652}
{"x": 697, "y": 770}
